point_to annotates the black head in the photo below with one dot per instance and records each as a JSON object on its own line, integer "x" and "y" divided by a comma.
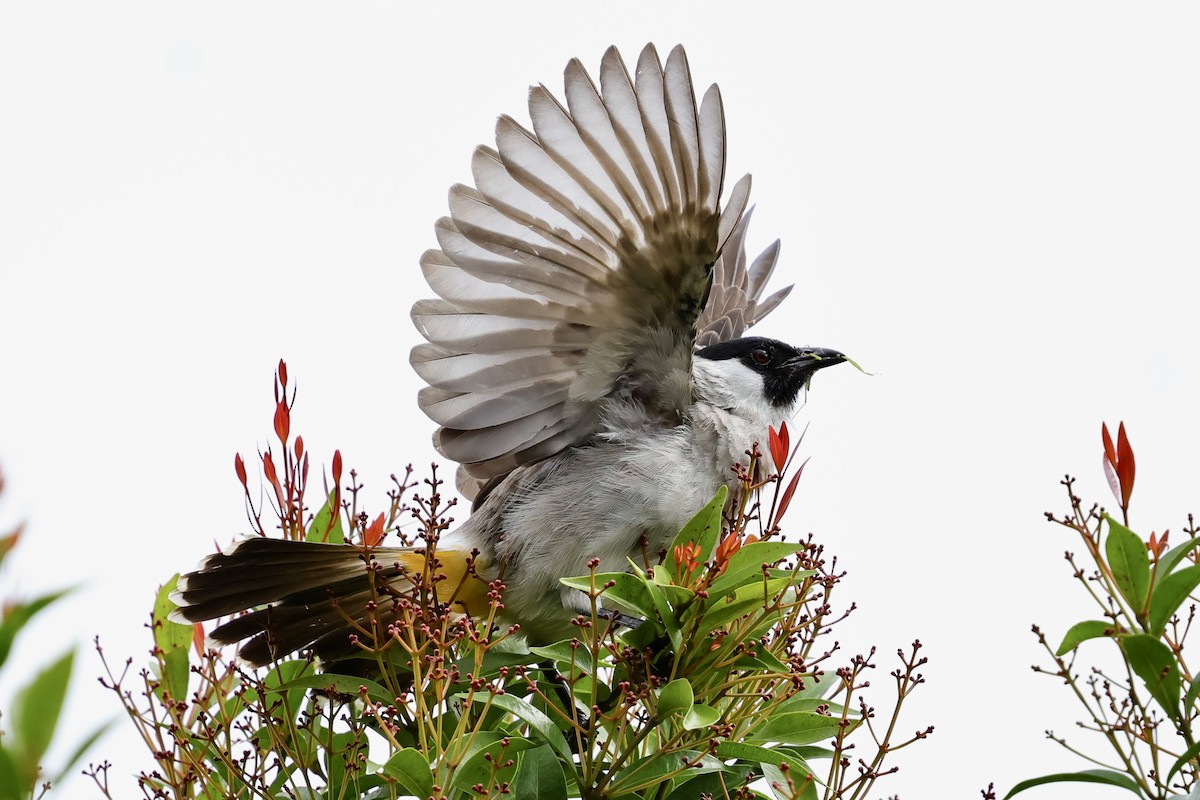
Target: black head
{"x": 784, "y": 369}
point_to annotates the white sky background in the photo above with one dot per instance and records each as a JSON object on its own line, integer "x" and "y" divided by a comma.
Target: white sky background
{"x": 994, "y": 208}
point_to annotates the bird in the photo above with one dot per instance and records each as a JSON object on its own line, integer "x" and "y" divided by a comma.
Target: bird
{"x": 585, "y": 362}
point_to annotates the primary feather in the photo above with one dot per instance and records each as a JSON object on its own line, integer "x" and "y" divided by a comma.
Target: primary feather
{"x": 591, "y": 253}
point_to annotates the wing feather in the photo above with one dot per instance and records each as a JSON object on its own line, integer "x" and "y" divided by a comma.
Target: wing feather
{"x": 596, "y": 128}
{"x": 734, "y": 302}
{"x": 652, "y": 104}
{"x": 585, "y": 249}
{"x": 622, "y": 103}
{"x": 681, "y": 117}
{"x": 712, "y": 147}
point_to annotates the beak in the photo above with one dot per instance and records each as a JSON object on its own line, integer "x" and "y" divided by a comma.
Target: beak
{"x": 812, "y": 359}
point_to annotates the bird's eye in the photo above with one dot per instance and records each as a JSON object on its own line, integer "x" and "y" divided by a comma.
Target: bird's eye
{"x": 760, "y": 356}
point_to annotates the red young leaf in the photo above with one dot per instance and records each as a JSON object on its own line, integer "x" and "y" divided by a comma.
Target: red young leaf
{"x": 1158, "y": 546}
{"x": 272, "y": 478}
{"x": 686, "y": 559}
{"x": 778, "y": 450}
{"x": 10, "y": 541}
{"x": 239, "y": 467}
{"x": 374, "y": 532}
{"x": 780, "y": 446}
{"x": 282, "y": 421}
{"x": 337, "y": 468}
{"x": 725, "y": 550}
{"x": 282, "y": 373}
{"x": 1110, "y": 452}
{"x": 198, "y": 638}
{"x": 786, "y": 500}
{"x": 299, "y": 447}
{"x": 1125, "y": 465}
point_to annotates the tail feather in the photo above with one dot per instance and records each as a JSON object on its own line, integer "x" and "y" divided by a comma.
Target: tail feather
{"x": 309, "y": 595}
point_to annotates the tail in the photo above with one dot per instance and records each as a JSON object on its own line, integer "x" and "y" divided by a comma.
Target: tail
{"x": 314, "y": 596}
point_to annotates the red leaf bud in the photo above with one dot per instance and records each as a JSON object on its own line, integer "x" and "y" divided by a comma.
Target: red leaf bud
{"x": 777, "y": 447}
{"x": 1125, "y": 465}
{"x": 374, "y": 532}
{"x": 239, "y": 467}
{"x": 269, "y": 470}
{"x": 283, "y": 421}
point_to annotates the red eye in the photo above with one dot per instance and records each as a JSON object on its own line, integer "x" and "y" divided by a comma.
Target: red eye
{"x": 760, "y": 356}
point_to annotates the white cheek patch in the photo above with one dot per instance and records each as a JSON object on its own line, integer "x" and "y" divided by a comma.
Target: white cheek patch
{"x": 735, "y": 385}
{"x": 737, "y": 375}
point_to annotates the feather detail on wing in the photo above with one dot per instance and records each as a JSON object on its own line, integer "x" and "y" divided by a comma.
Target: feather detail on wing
{"x": 579, "y": 264}
{"x": 735, "y": 301}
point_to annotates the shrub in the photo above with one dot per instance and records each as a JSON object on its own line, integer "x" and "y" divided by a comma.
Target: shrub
{"x": 726, "y": 689}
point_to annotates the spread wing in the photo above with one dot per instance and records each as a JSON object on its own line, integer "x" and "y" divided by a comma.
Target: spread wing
{"x": 734, "y": 302}
{"x": 577, "y": 268}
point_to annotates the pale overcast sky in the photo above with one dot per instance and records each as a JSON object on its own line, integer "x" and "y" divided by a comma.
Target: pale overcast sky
{"x": 992, "y": 206}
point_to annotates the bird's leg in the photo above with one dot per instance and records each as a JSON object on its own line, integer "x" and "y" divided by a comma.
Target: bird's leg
{"x": 563, "y": 692}
{"x": 617, "y": 618}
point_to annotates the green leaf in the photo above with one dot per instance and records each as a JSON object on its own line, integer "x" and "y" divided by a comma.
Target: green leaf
{"x": 539, "y": 776}
{"x": 1189, "y": 701}
{"x": 667, "y": 615}
{"x": 11, "y": 785}
{"x": 1180, "y": 762}
{"x": 281, "y": 673}
{"x": 535, "y": 718}
{"x": 36, "y": 710}
{"x": 808, "y": 752}
{"x": 327, "y": 524}
{"x": 645, "y": 635}
{"x": 761, "y": 660}
{"x": 16, "y": 616}
{"x": 819, "y": 685}
{"x": 705, "y": 528}
{"x": 1169, "y": 595}
{"x": 173, "y": 640}
{"x": 777, "y": 779}
{"x": 570, "y": 658}
{"x": 745, "y": 565}
{"x": 675, "y": 698}
{"x": 1129, "y": 562}
{"x": 341, "y": 684}
{"x": 1173, "y": 556}
{"x": 1104, "y": 776}
{"x": 653, "y": 769}
{"x": 495, "y": 659}
{"x": 1155, "y": 664}
{"x": 411, "y": 771}
{"x": 745, "y": 600}
{"x": 714, "y": 784}
{"x": 489, "y": 748}
{"x": 797, "y": 727}
{"x": 1082, "y": 631}
{"x": 802, "y": 703}
{"x": 628, "y": 592}
{"x": 760, "y": 755}
{"x": 700, "y": 716}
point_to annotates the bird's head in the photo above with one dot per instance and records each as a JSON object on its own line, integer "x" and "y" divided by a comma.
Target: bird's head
{"x": 758, "y": 372}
